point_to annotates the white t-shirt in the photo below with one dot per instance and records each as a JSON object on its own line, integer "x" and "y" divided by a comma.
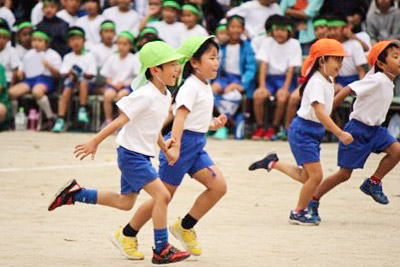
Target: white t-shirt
{"x": 32, "y": 62}
{"x": 86, "y": 62}
{"x": 363, "y": 36}
{"x": 374, "y": 96}
{"x": 68, "y": 18}
{"x": 257, "y": 41}
{"x": 121, "y": 70}
{"x": 172, "y": 34}
{"x": 101, "y": 52}
{"x": 147, "y": 109}
{"x": 255, "y": 15}
{"x": 356, "y": 58}
{"x": 198, "y": 98}
{"x": 7, "y": 15}
{"x": 10, "y": 61}
{"x": 124, "y": 21}
{"x": 232, "y": 59}
{"x": 318, "y": 89}
{"x": 37, "y": 13}
{"x": 280, "y": 56}
{"x": 21, "y": 51}
{"x": 197, "y": 30}
{"x": 91, "y": 28}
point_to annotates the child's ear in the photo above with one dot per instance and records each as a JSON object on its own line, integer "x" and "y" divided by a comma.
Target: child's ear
{"x": 380, "y": 64}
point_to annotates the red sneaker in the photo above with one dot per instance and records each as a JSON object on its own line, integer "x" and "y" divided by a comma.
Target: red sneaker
{"x": 258, "y": 134}
{"x": 269, "y": 133}
{"x": 65, "y": 195}
{"x": 170, "y": 254}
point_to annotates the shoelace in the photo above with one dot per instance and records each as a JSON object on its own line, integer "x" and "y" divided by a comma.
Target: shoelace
{"x": 189, "y": 235}
{"x": 132, "y": 244}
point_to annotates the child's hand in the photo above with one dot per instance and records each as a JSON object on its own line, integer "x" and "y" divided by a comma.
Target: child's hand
{"x": 169, "y": 143}
{"x": 45, "y": 63}
{"x": 345, "y": 137}
{"x": 84, "y": 150}
{"x": 118, "y": 86}
{"x": 218, "y": 122}
{"x": 153, "y": 10}
{"x": 173, "y": 154}
{"x": 233, "y": 87}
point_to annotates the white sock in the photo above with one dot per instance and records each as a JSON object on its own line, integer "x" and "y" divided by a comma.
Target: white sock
{"x": 14, "y": 107}
{"x": 44, "y": 104}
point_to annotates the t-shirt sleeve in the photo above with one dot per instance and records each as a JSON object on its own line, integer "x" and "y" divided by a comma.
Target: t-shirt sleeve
{"x": 185, "y": 97}
{"x": 262, "y": 53}
{"x": 134, "y": 104}
{"x": 15, "y": 61}
{"x": 365, "y": 86}
{"x": 358, "y": 54}
{"x": 315, "y": 92}
{"x": 296, "y": 56}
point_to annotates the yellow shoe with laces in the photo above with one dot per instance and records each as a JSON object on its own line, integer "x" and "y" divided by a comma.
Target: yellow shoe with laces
{"x": 128, "y": 246}
{"x": 187, "y": 237}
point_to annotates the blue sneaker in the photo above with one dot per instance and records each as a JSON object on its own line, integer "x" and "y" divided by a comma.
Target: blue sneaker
{"x": 265, "y": 163}
{"x": 312, "y": 209}
{"x": 83, "y": 116}
{"x": 375, "y": 191}
{"x": 302, "y": 218}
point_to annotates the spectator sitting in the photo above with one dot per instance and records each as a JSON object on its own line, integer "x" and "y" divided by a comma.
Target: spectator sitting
{"x": 190, "y": 17}
{"x": 24, "y": 36}
{"x": 236, "y": 72}
{"x": 79, "y": 70}
{"x": 8, "y": 56}
{"x": 220, "y": 34}
{"x": 53, "y": 26}
{"x": 6, "y": 14}
{"x": 148, "y": 34}
{"x": 119, "y": 70}
{"x": 354, "y": 21}
{"x": 278, "y": 58}
{"x": 70, "y": 12}
{"x": 5, "y": 106}
{"x": 106, "y": 48}
{"x": 91, "y": 22}
{"x": 40, "y": 67}
{"x": 153, "y": 13}
{"x": 124, "y": 17}
{"x": 256, "y": 41}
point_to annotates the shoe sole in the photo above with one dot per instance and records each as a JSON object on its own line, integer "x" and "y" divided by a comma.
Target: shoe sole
{"x": 294, "y": 222}
{"x": 59, "y": 192}
{"x": 121, "y": 249}
{"x": 369, "y": 194}
{"x": 177, "y": 236}
{"x": 154, "y": 261}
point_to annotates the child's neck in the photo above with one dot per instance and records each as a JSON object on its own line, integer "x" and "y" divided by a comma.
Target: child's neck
{"x": 200, "y": 77}
{"x": 123, "y": 55}
{"x": 160, "y": 86}
{"x": 78, "y": 52}
{"x": 123, "y": 9}
{"x": 108, "y": 44}
{"x": 169, "y": 21}
{"x": 233, "y": 41}
{"x": 390, "y": 75}
{"x": 326, "y": 76}
{"x": 190, "y": 26}
{"x": 92, "y": 16}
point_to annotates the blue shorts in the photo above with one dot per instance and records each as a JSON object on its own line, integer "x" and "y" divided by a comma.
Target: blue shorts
{"x": 305, "y": 137}
{"x": 109, "y": 87}
{"x": 275, "y": 82}
{"x": 193, "y": 158}
{"x": 346, "y": 80}
{"x": 367, "y": 140}
{"x": 136, "y": 170}
{"x": 228, "y": 78}
{"x": 68, "y": 83}
{"x": 48, "y": 81}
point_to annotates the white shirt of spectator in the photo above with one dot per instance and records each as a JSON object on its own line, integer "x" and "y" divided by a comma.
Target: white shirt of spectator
{"x": 198, "y": 98}
{"x": 102, "y": 52}
{"x": 318, "y": 89}
{"x": 147, "y": 109}
{"x": 280, "y": 57}
{"x": 32, "y": 65}
{"x": 356, "y": 58}
{"x": 68, "y": 18}
{"x": 7, "y": 15}
{"x": 121, "y": 70}
{"x": 257, "y": 41}
{"x": 21, "y": 51}
{"x": 10, "y": 61}
{"x": 86, "y": 62}
{"x": 124, "y": 21}
{"x": 374, "y": 97}
{"x": 172, "y": 34}
{"x": 37, "y": 14}
{"x": 91, "y": 28}
{"x": 232, "y": 58}
{"x": 255, "y": 15}
{"x": 197, "y": 30}
{"x": 363, "y": 36}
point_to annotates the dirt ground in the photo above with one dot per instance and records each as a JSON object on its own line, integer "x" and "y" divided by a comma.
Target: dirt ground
{"x": 249, "y": 227}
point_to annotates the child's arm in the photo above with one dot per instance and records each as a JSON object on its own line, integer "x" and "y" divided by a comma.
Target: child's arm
{"x": 330, "y": 125}
{"x": 361, "y": 71}
{"x": 53, "y": 70}
{"x": 262, "y": 75}
{"x": 90, "y": 147}
{"x": 218, "y": 122}
{"x": 341, "y": 95}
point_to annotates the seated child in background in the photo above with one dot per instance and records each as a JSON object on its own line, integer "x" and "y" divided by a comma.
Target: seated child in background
{"x": 79, "y": 70}
{"x": 119, "y": 71}
{"x": 354, "y": 21}
{"x": 236, "y": 73}
{"x": 153, "y": 13}
{"x": 106, "y": 48}
{"x": 220, "y": 34}
{"x": 70, "y": 12}
{"x": 257, "y": 40}
{"x": 24, "y": 36}
{"x": 8, "y": 56}
{"x": 278, "y": 58}
{"x": 125, "y": 18}
{"x": 5, "y": 106}
{"x": 146, "y": 35}
{"x": 40, "y": 66}
{"x": 190, "y": 17}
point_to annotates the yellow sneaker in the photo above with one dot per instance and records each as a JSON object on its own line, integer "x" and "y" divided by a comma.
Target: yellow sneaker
{"x": 127, "y": 245}
{"x": 187, "y": 237}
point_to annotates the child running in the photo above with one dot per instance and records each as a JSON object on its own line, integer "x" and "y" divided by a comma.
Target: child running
{"x": 193, "y": 112}
{"x": 142, "y": 115}
{"x": 307, "y": 129}
{"x": 374, "y": 96}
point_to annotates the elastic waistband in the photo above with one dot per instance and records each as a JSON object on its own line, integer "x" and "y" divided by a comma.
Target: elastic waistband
{"x": 194, "y": 134}
{"x": 309, "y": 123}
{"x": 363, "y": 125}
{"x": 348, "y": 76}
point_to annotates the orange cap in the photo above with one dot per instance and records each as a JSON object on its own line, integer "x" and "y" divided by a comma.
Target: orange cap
{"x": 322, "y": 47}
{"x": 377, "y": 49}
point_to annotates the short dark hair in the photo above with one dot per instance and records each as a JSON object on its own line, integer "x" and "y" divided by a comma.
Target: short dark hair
{"x": 240, "y": 18}
{"x": 383, "y": 55}
{"x": 148, "y": 73}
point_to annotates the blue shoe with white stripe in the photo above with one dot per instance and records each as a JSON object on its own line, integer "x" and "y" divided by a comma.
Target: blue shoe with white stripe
{"x": 312, "y": 209}
{"x": 302, "y": 218}
{"x": 375, "y": 191}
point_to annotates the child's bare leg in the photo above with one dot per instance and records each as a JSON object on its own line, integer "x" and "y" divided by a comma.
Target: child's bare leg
{"x": 314, "y": 173}
{"x": 389, "y": 161}
{"x": 3, "y": 112}
{"x": 282, "y": 98}
{"x": 83, "y": 93}
{"x": 122, "y": 93}
{"x": 115, "y": 200}
{"x": 109, "y": 95}
{"x": 291, "y": 109}
{"x": 15, "y": 92}
{"x": 39, "y": 92}
{"x": 332, "y": 181}
{"x": 291, "y": 170}
{"x": 63, "y": 102}
{"x": 260, "y": 95}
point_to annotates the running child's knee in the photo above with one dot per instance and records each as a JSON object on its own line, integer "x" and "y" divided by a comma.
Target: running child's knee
{"x": 343, "y": 177}
{"x": 163, "y": 197}
{"x": 221, "y": 189}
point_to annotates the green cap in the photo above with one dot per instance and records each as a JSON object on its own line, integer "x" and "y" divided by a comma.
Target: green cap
{"x": 320, "y": 23}
{"x": 151, "y": 55}
{"x": 5, "y": 32}
{"x": 191, "y": 8}
{"x": 148, "y": 30}
{"x": 173, "y": 4}
{"x": 127, "y": 35}
{"x": 336, "y": 23}
{"x": 76, "y": 31}
{"x": 220, "y": 28}
{"x": 107, "y": 25}
{"x": 41, "y": 34}
{"x": 287, "y": 27}
{"x": 24, "y": 25}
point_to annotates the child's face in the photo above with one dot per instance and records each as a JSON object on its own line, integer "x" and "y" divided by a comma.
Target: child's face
{"x": 72, "y": 6}
{"x": 222, "y": 36}
{"x": 335, "y": 33}
{"x": 266, "y": 2}
{"x": 24, "y": 36}
{"x": 189, "y": 19}
{"x": 354, "y": 20}
{"x": 50, "y": 10}
{"x": 208, "y": 64}
{"x": 280, "y": 35}
{"x": 393, "y": 61}
{"x": 39, "y": 44}
{"x": 235, "y": 30}
{"x": 107, "y": 35}
{"x": 76, "y": 43}
{"x": 321, "y": 32}
{"x": 383, "y": 4}
{"x": 169, "y": 14}
{"x": 124, "y": 4}
{"x": 124, "y": 45}
{"x": 92, "y": 8}
{"x": 331, "y": 65}
{"x": 3, "y": 41}
{"x": 169, "y": 72}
